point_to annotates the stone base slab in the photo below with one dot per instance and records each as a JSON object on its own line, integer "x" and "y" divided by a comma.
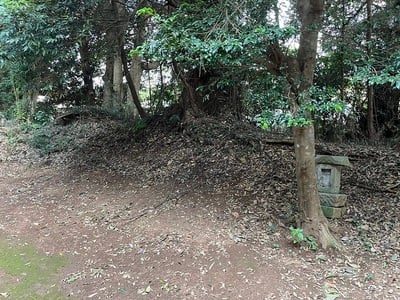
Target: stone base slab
{"x": 333, "y": 212}
{"x": 334, "y": 200}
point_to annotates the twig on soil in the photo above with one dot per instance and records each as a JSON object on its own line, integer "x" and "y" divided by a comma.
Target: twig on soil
{"x": 279, "y": 142}
{"x": 167, "y": 199}
{"x": 371, "y": 188}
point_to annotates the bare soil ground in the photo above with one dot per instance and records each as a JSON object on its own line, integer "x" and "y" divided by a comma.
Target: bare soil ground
{"x": 199, "y": 211}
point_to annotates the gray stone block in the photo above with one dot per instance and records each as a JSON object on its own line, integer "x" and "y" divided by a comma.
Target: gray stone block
{"x": 342, "y": 161}
{"x": 333, "y": 212}
{"x": 328, "y": 177}
{"x": 333, "y": 200}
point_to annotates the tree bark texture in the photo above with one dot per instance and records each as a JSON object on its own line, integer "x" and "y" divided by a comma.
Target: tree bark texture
{"x": 114, "y": 93}
{"x": 87, "y": 73}
{"x": 190, "y": 99}
{"x": 136, "y": 69}
{"x": 131, "y": 85}
{"x": 312, "y": 218}
{"x": 32, "y": 97}
{"x": 108, "y": 94}
{"x": 118, "y": 75}
{"x": 310, "y": 15}
{"x": 371, "y": 113}
{"x": 370, "y": 89}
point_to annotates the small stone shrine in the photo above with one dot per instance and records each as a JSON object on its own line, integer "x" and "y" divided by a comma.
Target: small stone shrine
{"x": 328, "y": 175}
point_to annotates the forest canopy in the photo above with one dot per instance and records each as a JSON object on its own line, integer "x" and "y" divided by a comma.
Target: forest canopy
{"x": 234, "y": 55}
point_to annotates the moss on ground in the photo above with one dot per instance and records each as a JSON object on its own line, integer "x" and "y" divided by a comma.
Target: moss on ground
{"x": 29, "y": 274}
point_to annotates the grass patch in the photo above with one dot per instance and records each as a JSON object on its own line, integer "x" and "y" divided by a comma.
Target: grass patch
{"x": 29, "y": 274}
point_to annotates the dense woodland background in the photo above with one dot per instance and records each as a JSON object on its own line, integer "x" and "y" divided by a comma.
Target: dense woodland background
{"x": 222, "y": 58}
{"x": 333, "y": 66}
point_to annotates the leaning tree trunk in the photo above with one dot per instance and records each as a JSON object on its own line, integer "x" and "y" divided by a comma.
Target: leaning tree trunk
{"x": 136, "y": 69}
{"x": 131, "y": 85}
{"x": 312, "y": 218}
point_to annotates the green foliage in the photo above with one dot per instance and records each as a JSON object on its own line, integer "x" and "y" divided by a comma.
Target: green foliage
{"x": 46, "y": 141}
{"x": 348, "y": 60}
{"x": 19, "y": 111}
{"x": 299, "y": 122}
{"x": 140, "y": 124}
{"x": 311, "y": 243}
{"x": 211, "y": 40}
{"x": 40, "y": 43}
{"x": 367, "y": 74}
{"x": 39, "y": 135}
{"x": 15, "y": 5}
{"x": 264, "y": 94}
{"x": 297, "y": 235}
{"x": 369, "y": 276}
{"x": 276, "y": 246}
{"x": 315, "y": 104}
{"x": 298, "y": 238}
{"x": 31, "y": 44}
{"x": 147, "y": 12}
{"x": 43, "y": 118}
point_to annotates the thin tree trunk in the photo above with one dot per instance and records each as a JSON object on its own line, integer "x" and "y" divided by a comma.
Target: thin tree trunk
{"x": 341, "y": 49}
{"x": 15, "y": 90}
{"x": 370, "y": 89}
{"x": 131, "y": 85}
{"x": 136, "y": 74}
{"x": 33, "y": 100}
{"x": 371, "y": 113}
{"x": 136, "y": 69}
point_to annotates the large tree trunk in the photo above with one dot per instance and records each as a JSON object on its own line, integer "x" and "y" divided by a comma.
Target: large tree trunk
{"x": 312, "y": 218}
{"x": 118, "y": 75}
{"x": 113, "y": 79}
{"x": 108, "y": 94}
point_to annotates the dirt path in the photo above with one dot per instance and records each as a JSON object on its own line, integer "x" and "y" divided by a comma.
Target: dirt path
{"x": 124, "y": 240}
{"x": 185, "y": 219}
